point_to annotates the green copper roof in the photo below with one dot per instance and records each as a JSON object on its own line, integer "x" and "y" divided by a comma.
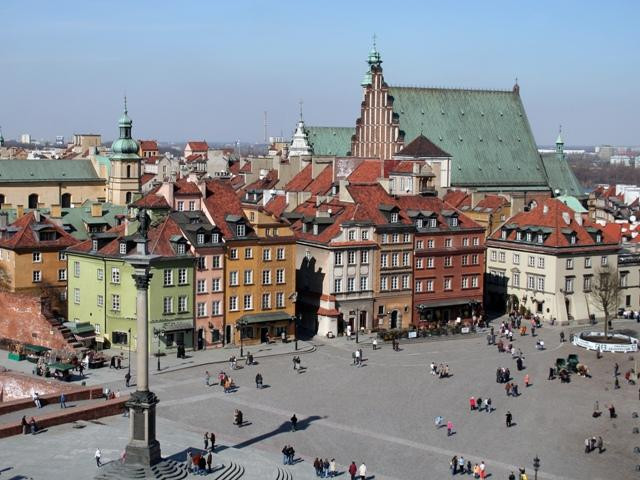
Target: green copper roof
{"x": 330, "y": 141}
{"x": 47, "y": 171}
{"x": 486, "y": 132}
{"x": 573, "y": 203}
{"x": 560, "y": 175}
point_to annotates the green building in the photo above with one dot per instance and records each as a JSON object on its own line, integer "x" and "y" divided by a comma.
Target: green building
{"x": 101, "y": 289}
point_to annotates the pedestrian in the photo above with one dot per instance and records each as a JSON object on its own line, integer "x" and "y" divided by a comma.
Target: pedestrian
{"x": 616, "y": 384}
{"x": 449, "y": 428}
{"x": 438, "y": 421}
{"x": 483, "y": 468}
{"x": 600, "y": 444}
{"x": 285, "y": 455}
{"x": 375, "y": 343}
{"x": 453, "y": 465}
{"x": 295, "y": 363}
{"x": 461, "y": 465}
{"x": 63, "y": 401}
{"x": 358, "y": 358}
{"x": 258, "y": 380}
{"x": 212, "y": 441}
{"x": 206, "y": 440}
{"x": 36, "y": 399}
{"x": 469, "y": 467}
{"x": 207, "y": 378}
{"x": 551, "y": 374}
{"x": 596, "y": 409}
{"x": 507, "y": 388}
{"x": 433, "y": 369}
{"x": 294, "y": 422}
{"x": 616, "y": 370}
{"x": 509, "y": 419}
{"x": 353, "y": 469}
{"x": 587, "y": 445}
{"x": 472, "y": 403}
{"x": 487, "y": 405}
{"x": 512, "y": 476}
{"x": 292, "y": 454}
{"x": 98, "y": 456}
{"x": 316, "y": 467}
{"x": 526, "y": 381}
{"x": 333, "y": 470}
{"x": 25, "y": 425}
{"x": 119, "y": 361}
{"x": 127, "y": 379}
{"x": 112, "y": 363}
{"x": 325, "y": 468}
{"x": 362, "y": 471}
{"x": 612, "y": 411}
{"x": 189, "y": 460}
{"x": 561, "y": 337}
{"x": 209, "y": 460}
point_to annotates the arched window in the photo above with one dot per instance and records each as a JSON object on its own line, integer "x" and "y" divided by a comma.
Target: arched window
{"x": 65, "y": 201}
{"x": 33, "y": 201}
{"x": 128, "y": 197}
{"x": 128, "y": 171}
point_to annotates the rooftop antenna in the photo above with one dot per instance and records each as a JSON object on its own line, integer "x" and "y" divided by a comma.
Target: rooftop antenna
{"x": 300, "y": 103}
{"x": 374, "y": 41}
{"x": 265, "y": 126}
{"x": 125, "y": 103}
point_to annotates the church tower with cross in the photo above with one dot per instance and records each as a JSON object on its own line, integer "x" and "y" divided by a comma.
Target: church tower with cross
{"x": 125, "y": 164}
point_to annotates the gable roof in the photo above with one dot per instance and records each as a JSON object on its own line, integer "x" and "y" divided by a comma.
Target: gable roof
{"x": 561, "y": 177}
{"x": 148, "y": 145}
{"x": 48, "y": 171}
{"x": 421, "y": 147}
{"x": 25, "y": 234}
{"x": 152, "y": 201}
{"x": 197, "y": 146}
{"x": 457, "y": 198}
{"x": 330, "y": 141}
{"x": 434, "y": 205}
{"x": 367, "y": 172}
{"x": 276, "y": 205}
{"x": 371, "y": 198}
{"x": 300, "y": 181}
{"x": 321, "y": 185}
{"x": 492, "y": 202}
{"x": 269, "y": 181}
{"x": 221, "y": 203}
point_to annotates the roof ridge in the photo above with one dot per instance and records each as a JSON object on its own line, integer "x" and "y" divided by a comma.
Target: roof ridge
{"x": 465, "y": 89}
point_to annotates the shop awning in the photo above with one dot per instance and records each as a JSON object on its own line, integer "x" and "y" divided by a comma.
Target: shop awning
{"x": 61, "y": 366}
{"x": 36, "y": 348}
{"x": 264, "y": 317}
{"x": 447, "y": 303}
{"x": 80, "y": 328}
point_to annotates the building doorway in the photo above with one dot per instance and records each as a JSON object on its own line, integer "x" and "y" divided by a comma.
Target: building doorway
{"x": 200, "y": 339}
{"x": 264, "y": 332}
{"x": 394, "y": 319}
{"x": 227, "y": 334}
{"x": 567, "y": 305}
{"x": 363, "y": 320}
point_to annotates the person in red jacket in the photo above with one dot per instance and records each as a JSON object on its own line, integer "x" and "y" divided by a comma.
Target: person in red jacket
{"x": 353, "y": 469}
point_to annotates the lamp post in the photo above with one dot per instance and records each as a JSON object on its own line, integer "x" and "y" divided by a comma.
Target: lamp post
{"x": 295, "y": 330}
{"x": 129, "y": 352}
{"x": 240, "y": 326}
{"x": 158, "y": 334}
{"x": 536, "y": 466}
{"x": 357, "y": 324}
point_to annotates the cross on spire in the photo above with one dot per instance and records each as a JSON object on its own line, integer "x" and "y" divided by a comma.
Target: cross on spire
{"x": 125, "y": 103}
{"x": 374, "y": 41}
{"x": 300, "y": 103}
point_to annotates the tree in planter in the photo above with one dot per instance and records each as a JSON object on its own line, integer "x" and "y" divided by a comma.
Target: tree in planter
{"x": 605, "y": 293}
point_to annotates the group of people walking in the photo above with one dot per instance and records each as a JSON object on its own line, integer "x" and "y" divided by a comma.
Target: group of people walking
{"x": 457, "y": 465}
{"x": 441, "y": 370}
{"x": 325, "y": 468}
{"x": 480, "y": 404}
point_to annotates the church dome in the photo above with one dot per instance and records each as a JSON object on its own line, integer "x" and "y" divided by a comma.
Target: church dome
{"x": 125, "y": 146}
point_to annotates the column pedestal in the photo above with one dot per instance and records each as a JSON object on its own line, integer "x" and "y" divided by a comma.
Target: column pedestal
{"x": 143, "y": 448}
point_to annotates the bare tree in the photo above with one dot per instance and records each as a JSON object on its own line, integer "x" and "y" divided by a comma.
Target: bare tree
{"x": 606, "y": 294}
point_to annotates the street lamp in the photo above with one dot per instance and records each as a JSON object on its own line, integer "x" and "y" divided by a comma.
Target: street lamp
{"x": 240, "y": 326}
{"x": 158, "y": 334}
{"x": 536, "y": 466}
{"x": 129, "y": 352}
{"x": 357, "y": 324}
{"x": 295, "y": 330}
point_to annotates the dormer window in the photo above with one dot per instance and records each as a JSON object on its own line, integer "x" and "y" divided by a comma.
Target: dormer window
{"x": 598, "y": 238}
{"x": 453, "y": 221}
{"x": 420, "y": 223}
{"x": 433, "y": 222}
{"x": 572, "y": 239}
{"x": 241, "y": 230}
{"x": 315, "y": 228}
{"x": 215, "y": 238}
{"x": 503, "y": 235}
{"x": 200, "y": 238}
{"x": 540, "y": 238}
{"x": 94, "y": 245}
{"x": 123, "y": 248}
{"x": 394, "y": 217}
{"x": 519, "y": 235}
{"x": 182, "y": 249}
{"x": 352, "y": 234}
{"x": 529, "y": 236}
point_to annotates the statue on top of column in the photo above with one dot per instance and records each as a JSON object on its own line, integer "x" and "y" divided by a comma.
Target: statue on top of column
{"x": 143, "y": 222}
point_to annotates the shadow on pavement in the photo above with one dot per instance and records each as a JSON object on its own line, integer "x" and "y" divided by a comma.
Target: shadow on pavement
{"x": 285, "y": 427}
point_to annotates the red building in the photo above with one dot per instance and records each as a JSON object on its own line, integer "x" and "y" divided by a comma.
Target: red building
{"x": 448, "y": 265}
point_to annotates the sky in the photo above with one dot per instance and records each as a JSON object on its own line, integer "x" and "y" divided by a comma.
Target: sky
{"x": 210, "y": 69}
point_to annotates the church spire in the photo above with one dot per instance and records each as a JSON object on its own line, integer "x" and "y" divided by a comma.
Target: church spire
{"x": 1, "y": 138}
{"x": 559, "y": 142}
{"x": 374, "y": 60}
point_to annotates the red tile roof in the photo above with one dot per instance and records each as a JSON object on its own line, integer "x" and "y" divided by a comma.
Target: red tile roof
{"x": 149, "y": 145}
{"x": 221, "y": 201}
{"x": 27, "y": 238}
{"x": 269, "y": 181}
{"x": 321, "y": 185}
{"x": 246, "y": 168}
{"x": 457, "y": 198}
{"x": 147, "y": 177}
{"x": 194, "y": 157}
{"x": 152, "y": 200}
{"x": 436, "y": 205}
{"x": 276, "y": 205}
{"x": 556, "y": 216}
{"x": 234, "y": 168}
{"x": 152, "y": 160}
{"x": 370, "y": 198}
{"x": 403, "y": 167}
{"x": 300, "y": 181}
{"x": 422, "y": 147}
{"x": 367, "y": 172}
{"x": 340, "y": 212}
{"x": 182, "y": 186}
{"x": 198, "y": 146}
{"x": 492, "y": 202}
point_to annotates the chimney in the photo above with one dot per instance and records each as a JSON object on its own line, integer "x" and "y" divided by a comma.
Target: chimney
{"x": 166, "y": 190}
{"x": 96, "y": 209}
{"x": 19, "y": 211}
{"x": 202, "y": 185}
{"x": 56, "y": 211}
{"x": 36, "y": 216}
{"x": 578, "y": 218}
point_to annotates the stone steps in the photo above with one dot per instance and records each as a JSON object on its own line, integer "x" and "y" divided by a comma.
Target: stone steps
{"x": 165, "y": 470}
{"x": 284, "y": 474}
{"x": 233, "y": 471}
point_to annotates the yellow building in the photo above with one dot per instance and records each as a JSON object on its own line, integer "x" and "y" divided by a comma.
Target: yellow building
{"x": 490, "y": 212}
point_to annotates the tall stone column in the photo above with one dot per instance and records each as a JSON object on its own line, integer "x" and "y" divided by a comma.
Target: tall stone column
{"x": 143, "y": 448}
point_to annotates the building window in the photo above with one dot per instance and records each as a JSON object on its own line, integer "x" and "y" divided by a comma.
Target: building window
{"x": 476, "y": 241}
{"x": 62, "y": 274}
{"x": 180, "y": 206}
{"x": 532, "y": 261}
{"x": 76, "y": 269}
{"x": 474, "y": 259}
{"x": 406, "y": 259}
{"x": 447, "y": 283}
{"x": 568, "y": 285}
{"x": 215, "y": 261}
{"x": 215, "y": 307}
{"x": 200, "y": 238}
{"x": 384, "y": 260}
{"x": 338, "y": 258}
{"x": 233, "y": 278}
{"x": 266, "y": 301}
{"x": 233, "y": 254}
{"x": 115, "y": 275}
{"x": 248, "y": 277}
{"x": 419, "y": 263}
{"x": 100, "y": 301}
{"x": 598, "y": 238}
{"x": 540, "y": 262}
{"x": 248, "y": 253}
{"x": 540, "y": 238}
{"x": 351, "y": 257}
{"x": 215, "y": 238}
{"x": 266, "y": 254}
{"x": 248, "y": 302}
{"x": 433, "y": 222}
{"x": 385, "y": 238}
{"x": 123, "y": 248}
{"x": 531, "y": 282}
{"x": 540, "y": 284}
{"x": 420, "y": 244}
{"x": 405, "y": 281}
{"x": 465, "y": 260}
{"x": 241, "y": 230}
{"x": 516, "y": 259}
{"x": 201, "y": 286}
{"x": 201, "y": 309}
{"x": 503, "y": 234}
{"x": 431, "y": 244}
{"x": 364, "y": 234}
{"x": 406, "y": 238}
{"x": 624, "y": 279}
{"x": 168, "y": 277}
{"x": 192, "y": 205}
{"x": 233, "y": 303}
{"x": 280, "y": 300}
{"x": 501, "y": 256}
{"x": 447, "y": 243}
{"x": 62, "y": 256}
{"x": 266, "y": 277}
{"x": 182, "y": 276}
{"x": 429, "y": 285}
{"x": 474, "y": 281}
{"x": 202, "y": 263}
{"x": 37, "y": 257}
{"x": 494, "y": 255}
{"x": 516, "y": 279}
{"x": 394, "y": 282}
{"x": 394, "y": 217}
{"x": 364, "y": 283}
{"x": 182, "y": 304}
{"x": 418, "y": 285}
{"x": 384, "y": 283}
{"x": 465, "y": 282}
{"x": 280, "y": 253}
{"x": 364, "y": 256}
{"x": 604, "y": 261}
{"x": 167, "y": 305}
{"x": 395, "y": 238}
{"x": 115, "y": 303}
{"x": 587, "y": 262}
{"x": 430, "y": 262}
{"x": 351, "y": 234}
{"x": 569, "y": 263}
{"x": 351, "y": 284}
{"x": 448, "y": 261}
{"x": 280, "y": 275}
{"x": 586, "y": 285}
{"x": 394, "y": 259}
{"x": 100, "y": 274}
{"x": 36, "y": 276}
{"x": 216, "y": 284}
{"x": 181, "y": 249}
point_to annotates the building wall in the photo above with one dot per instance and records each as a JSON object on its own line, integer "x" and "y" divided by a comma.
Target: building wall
{"x": 120, "y": 184}
{"x": 50, "y": 194}
{"x": 208, "y": 275}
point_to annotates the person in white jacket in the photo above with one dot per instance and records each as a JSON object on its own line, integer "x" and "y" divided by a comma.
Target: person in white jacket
{"x": 362, "y": 471}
